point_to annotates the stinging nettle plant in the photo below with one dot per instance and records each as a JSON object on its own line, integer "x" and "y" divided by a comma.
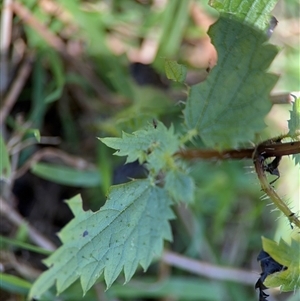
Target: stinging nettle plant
{"x": 225, "y": 111}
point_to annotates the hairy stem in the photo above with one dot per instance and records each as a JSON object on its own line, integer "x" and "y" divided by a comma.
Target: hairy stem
{"x": 259, "y": 156}
{"x": 268, "y": 149}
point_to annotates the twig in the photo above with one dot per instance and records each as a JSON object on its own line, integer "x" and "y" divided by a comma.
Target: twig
{"x": 13, "y": 216}
{"x": 284, "y": 98}
{"x": 6, "y": 21}
{"x": 52, "y": 153}
{"x": 209, "y": 270}
{"x": 22, "y": 266}
{"x": 5, "y": 33}
{"x": 16, "y": 88}
{"x": 30, "y": 20}
{"x": 32, "y": 141}
{"x": 191, "y": 154}
{"x": 276, "y": 149}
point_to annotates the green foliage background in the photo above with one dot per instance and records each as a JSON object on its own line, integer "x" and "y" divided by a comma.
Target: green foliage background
{"x": 224, "y": 228}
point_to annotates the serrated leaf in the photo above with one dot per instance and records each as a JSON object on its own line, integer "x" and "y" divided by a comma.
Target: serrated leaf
{"x": 288, "y": 256}
{"x": 175, "y": 71}
{"x": 180, "y": 186}
{"x": 229, "y": 107}
{"x": 154, "y": 144}
{"x": 251, "y": 12}
{"x": 127, "y": 231}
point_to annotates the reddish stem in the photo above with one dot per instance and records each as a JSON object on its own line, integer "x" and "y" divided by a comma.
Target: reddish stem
{"x": 268, "y": 149}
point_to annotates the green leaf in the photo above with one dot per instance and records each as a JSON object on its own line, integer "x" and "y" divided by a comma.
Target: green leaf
{"x": 288, "y": 256}
{"x": 148, "y": 104}
{"x": 229, "y": 107}
{"x": 58, "y": 79}
{"x": 154, "y": 144}
{"x": 66, "y": 175}
{"x": 296, "y": 158}
{"x": 14, "y": 284}
{"x": 5, "y": 169}
{"x": 251, "y": 12}
{"x": 127, "y": 231}
{"x": 180, "y": 186}
{"x": 35, "y": 132}
{"x": 183, "y": 288}
{"x": 172, "y": 24}
{"x": 22, "y": 245}
{"x": 175, "y": 71}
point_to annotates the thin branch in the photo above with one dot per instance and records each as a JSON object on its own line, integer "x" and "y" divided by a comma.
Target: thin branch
{"x": 279, "y": 149}
{"x": 285, "y": 98}
{"x": 5, "y": 33}
{"x": 209, "y": 270}
{"x": 15, "y": 218}
{"x": 32, "y": 141}
{"x": 16, "y": 88}
{"x": 40, "y": 28}
{"x": 10, "y": 261}
{"x": 50, "y": 152}
{"x": 191, "y": 154}
{"x": 6, "y": 25}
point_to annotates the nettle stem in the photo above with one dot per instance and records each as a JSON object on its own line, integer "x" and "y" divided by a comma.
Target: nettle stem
{"x": 267, "y": 149}
{"x": 258, "y": 160}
